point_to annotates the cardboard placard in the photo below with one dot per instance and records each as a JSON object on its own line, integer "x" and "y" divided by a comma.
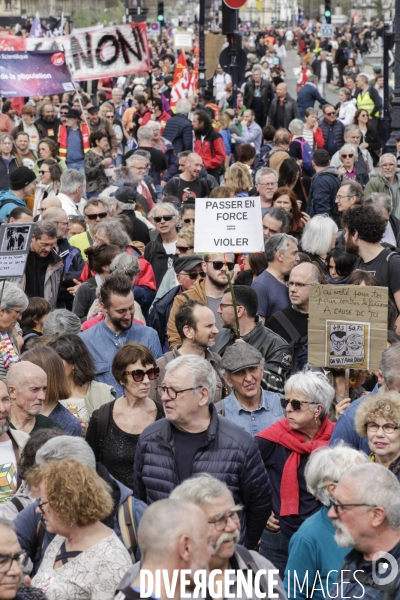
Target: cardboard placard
{"x": 347, "y": 326}
{"x": 228, "y": 225}
{"x": 213, "y": 46}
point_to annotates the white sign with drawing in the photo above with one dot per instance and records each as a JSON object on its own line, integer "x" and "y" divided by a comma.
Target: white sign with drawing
{"x": 15, "y": 239}
{"x": 228, "y": 225}
{"x": 327, "y": 31}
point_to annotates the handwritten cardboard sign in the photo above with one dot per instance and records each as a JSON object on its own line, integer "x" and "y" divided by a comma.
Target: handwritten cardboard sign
{"x": 15, "y": 240}
{"x": 347, "y": 326}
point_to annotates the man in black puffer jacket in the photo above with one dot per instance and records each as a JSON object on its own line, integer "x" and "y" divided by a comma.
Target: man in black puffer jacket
{"x": 194, "y": 439}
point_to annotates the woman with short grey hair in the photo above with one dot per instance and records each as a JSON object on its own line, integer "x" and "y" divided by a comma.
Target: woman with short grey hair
{"x": 161, "y": 252}
{"x": 349, "y": 170}
{"x": 312, "y": 548}
{"x": 285, "y": 447}
{"x": 347, "y": 108}
{"x": 13, "y": 302}
{"x": 298, "y": 146}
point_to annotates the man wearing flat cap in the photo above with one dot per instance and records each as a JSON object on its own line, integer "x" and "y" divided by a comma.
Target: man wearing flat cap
{"x": 96, "y": 123}
{"x": 125, "y": 199}
{"x": 248, "y": 405}
{"x": 74, "y": 140}
{"x": 188, "y": 269}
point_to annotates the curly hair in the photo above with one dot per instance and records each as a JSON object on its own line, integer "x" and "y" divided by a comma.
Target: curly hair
{"x": 364, "y": 219}
{"x": 74, "y": 491}
{"x": 238, "y": 178}
{"x": 383, "y": 404}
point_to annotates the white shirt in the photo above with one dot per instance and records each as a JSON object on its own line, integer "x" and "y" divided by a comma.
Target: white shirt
{"x": 33, "y": 136}
{"x": 220, "y": 82}
{"x": 68, "y": 205}
{"x": 170, "y": 248}
{"x": 388, "y": 236}
{"x": 324, "y": 71}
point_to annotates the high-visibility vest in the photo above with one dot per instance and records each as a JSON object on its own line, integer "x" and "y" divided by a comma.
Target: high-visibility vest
{"x": 366, "y": 103}
{"x": 63, "y": 139}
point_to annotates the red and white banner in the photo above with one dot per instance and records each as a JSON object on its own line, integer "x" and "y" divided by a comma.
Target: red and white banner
{"x": 180, "y": 84}
{"x": 94, "y": 54}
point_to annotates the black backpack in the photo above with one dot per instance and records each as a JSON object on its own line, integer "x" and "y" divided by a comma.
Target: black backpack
{"x": 297, "y": 341}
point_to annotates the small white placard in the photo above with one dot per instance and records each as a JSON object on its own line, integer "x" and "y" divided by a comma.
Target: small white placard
{"x": 228, "y": 225}
{"x": 183, "y": 41}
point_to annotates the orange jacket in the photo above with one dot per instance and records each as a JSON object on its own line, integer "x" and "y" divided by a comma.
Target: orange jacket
{"x": 63, "y": 139}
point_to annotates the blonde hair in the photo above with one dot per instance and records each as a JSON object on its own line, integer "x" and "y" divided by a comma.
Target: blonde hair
{"x": 238, "y": 178}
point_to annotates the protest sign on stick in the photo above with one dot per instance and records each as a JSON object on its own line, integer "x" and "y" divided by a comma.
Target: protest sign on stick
{"x": 347, "y": 326}
{"x": 15, "y": 241}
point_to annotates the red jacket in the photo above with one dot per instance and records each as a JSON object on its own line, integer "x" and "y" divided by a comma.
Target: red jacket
{"x": 319, "y": 138}
{"x": 162, "y": 119}
{"x": 63, "y": 139}
{"x": 211, "y": 149}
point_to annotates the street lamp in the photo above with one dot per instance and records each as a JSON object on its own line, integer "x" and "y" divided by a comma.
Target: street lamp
{"x": 395, "y": 124}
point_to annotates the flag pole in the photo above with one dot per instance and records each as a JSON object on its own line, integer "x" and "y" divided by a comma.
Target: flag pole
{"x": 233, "y": 299}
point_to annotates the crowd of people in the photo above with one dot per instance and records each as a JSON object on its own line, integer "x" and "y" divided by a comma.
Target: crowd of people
{"x": 154, "y": 417}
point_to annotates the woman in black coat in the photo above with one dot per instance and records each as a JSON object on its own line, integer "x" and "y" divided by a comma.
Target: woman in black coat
{"x": 369, "y": 137}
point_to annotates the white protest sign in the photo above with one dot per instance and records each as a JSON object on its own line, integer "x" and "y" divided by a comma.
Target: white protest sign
{"x": 183, "y": 41}
{"x": 15, "y": 240}
{"x": 228, "y": 225}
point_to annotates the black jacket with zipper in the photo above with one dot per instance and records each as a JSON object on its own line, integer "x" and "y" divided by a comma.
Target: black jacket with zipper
{"x": 5, "y": 170}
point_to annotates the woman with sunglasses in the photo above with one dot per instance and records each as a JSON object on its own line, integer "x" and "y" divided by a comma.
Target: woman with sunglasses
{"x": 285, "y": 448}
{"x": 349, "y": 168}
{"x": 156, "y": 94}
{"x": 369, "y": 137}
{"x": 49, "y": 182}
{"x": 185, "y": 241}
{"x": 134, "y": 367}
{"x": 159, "y": 252}
{"x": 187, "y": 214}
{"x": 378, "y": 419}
{"x": 10, "y": 159}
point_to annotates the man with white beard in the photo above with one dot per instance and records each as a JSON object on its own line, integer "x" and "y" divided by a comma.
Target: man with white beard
{"x": 12, "y": 442}
{"x": 366, "y": 515}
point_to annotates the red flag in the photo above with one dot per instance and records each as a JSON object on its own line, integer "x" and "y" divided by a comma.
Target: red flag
{"x": 180, "y": 84}
{"x": 194, "y": 80}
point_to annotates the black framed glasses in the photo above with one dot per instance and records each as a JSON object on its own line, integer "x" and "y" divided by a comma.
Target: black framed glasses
{"x": 164, "y": 218}
{"x": 184, "y": 248}
{"x": 139, "y": 374}
{"x": 386, "y": 427}
{"x": 43, "y": 172}
{"x": 218, "y": 265}
{"x": 295, "y": 404}
{"x": 336, "y": 506}
{"x": 330, "y": 114}
{"x": 172, "y": 393}
{"x": 41, "y": 504}
{"x": 221, "y": 522}
{"x": 194, "y": 276}
{"x": 188, "y": 221}
{"x": 6, "y": 560}
{"x": 101, "y": 215}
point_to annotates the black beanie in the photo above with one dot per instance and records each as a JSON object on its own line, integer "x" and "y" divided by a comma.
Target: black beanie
{"x": 21, "y": 177}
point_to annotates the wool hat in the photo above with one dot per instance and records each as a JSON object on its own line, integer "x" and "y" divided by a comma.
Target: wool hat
{"x": 186, "y": 262}
{"x": 240, "y": 356}
{"x": 21, "y": 177}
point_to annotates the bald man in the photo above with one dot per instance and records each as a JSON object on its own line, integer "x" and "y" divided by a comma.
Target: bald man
{"x": 190, "y": 182}
{"x": 27, "y": 384}
{"x": 283, "y": 108}
{"x": 48, "y": 202}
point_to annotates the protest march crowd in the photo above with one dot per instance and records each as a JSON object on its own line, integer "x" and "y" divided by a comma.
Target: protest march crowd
{"x": 158, "y": 414}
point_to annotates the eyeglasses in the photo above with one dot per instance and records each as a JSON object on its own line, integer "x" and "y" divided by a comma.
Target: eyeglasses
{"x": 291, "y": 284}
{"x": 330, "y": 114}
{"x": 63, "y": 114}
{"x": 218, "y": 265}
{"x": 347, "y": 155}
{"x": 336, "y": 506}
{"x": 188, "y": 221}
{"x": 194, "y": 276}
{"x": 184, "y": 248}
{"x": 295, "y": 404}
{"x": 222, "y": 522}
{"x": 101, "y": 215}
{"x": 163, "y": 389}
{"x": 61, "y": 222}
{"x": 41, "y": 504}
{"x": 17, "y": 312}
{"x": 386, "y": 428}
{"x": 164, "y": 218}
{"x": 140, "y": 168}
{"x": 387, "y": 165}
{"x": 43, "y": 172}
{"x": 344, "y": 196}
{"x": 138, "y": 375}
{"x": 6, "y": 560}
{"x": 222, "y": 305}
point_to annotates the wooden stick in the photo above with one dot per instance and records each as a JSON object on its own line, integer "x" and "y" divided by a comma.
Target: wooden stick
{"x": 233, "y": 298}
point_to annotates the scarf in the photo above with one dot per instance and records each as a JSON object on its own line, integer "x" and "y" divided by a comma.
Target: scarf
{"x": 7, "y": 351}
{"x": 281, "y": 433}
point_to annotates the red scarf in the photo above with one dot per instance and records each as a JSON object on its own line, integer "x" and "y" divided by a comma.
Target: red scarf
{"x": 281, "y": 433}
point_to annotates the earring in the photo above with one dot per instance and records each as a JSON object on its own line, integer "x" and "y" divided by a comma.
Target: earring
{"x": 123, "y": 390}
{"x": 316, "y": 418}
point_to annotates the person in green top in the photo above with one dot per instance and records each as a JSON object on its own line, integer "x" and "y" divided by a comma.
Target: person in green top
{"x": 27, "y": 385}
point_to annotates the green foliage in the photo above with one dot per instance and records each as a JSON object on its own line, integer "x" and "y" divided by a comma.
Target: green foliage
{"x": 112, "y": 14}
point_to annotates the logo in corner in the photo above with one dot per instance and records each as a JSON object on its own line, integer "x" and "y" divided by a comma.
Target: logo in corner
{"x": 57, "y": 59}
{"x": 384, "y": 563}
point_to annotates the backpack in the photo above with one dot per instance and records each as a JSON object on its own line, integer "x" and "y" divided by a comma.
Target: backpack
{"x": 264, "y": 160}
{"x": 128, "y": 525}
{"x": 297, "y": 341}
{"x": 306, "y": 155}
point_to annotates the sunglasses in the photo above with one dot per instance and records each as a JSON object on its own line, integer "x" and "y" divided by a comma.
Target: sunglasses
{"x": 194, "y": 276}
{"x": 138, "y": 375}
{"x": 164, "y": 218}
{"x": 188, "y": 221}
{"x": 43, "y": 172}
{"x": 184, "y": 248}
{"x": 218, "y": 265}
{"x": 295, "y": 404}
{"x": 347, "y": 155}
{"x": 94, "y": 217}
{"x": 330, "y": 114}
{"x": 62, "y": 114}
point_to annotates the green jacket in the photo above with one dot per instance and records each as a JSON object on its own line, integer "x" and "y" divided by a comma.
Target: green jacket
{"x": 380, "y": 184}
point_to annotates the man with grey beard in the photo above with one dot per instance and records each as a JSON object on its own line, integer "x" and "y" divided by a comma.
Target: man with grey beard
{"x": 12, "y": 443}
{"x": 366, "y": 515}
{"x": 223, "y": 516}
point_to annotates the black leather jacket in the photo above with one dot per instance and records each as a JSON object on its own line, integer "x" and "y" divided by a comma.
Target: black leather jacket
{"x": 275, "y": 350}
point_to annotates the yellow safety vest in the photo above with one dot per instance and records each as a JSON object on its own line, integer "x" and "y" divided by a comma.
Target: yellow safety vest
{"x": 366, "y": 103}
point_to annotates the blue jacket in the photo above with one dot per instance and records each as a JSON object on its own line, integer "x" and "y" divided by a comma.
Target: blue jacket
{"x": 12, "y": 203}
{"x": 179, "y": 132}
{"x": 322, "y": 194}
{"x": 307, "y": 97}
{"x": 26, "y": 523}
{"x": 172, "y": 161}
{"x": 103, "y": 344}
{"x": 229, "y": 454}
{"x": 159, "y": 315}
{"x": 268, "y": 412}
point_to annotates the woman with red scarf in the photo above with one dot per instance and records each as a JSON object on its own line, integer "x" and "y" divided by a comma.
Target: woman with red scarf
{"x": 285, "y": 447}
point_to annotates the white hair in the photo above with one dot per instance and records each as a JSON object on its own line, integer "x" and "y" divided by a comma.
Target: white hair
{"x": 201, "y": 489}
{"x": 66, "y": 446}
{"x": 317, "y": 235}
{"x": 145, "y": 133}
{"x": 387, "y": 155}
{"x": 183, "y": 107}
{"x": 296, "y": 127}
{"x": 62, "y": 321}
{"x": 265, "y": 171}
{"x": 349, "y": 148}
{"x": 314, "y": 386}
{"x": 278, "y": 243}
{"x": 201, "y": 372}
{"x": 329, "y": 463}
{"x": 376, "y": 485}
{"x": 164, "y": 206}
{"x": 11, "y": 296}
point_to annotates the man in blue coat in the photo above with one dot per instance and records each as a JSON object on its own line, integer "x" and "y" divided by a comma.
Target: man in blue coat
{"x": 308, "y": 95}
{"x": 194, "y": 439}
{"x": 324, "y": 187}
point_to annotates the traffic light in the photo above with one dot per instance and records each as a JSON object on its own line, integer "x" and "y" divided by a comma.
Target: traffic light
{"x": 328, "y": 11}
{"x": 160, "y": 12}
{"x": 234, "y": 42}
{"x": 216, "y": 17}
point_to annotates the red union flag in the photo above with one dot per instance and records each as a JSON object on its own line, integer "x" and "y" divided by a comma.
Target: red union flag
{"x": 194, "y": 80}
{"x": 180, "y": 84}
